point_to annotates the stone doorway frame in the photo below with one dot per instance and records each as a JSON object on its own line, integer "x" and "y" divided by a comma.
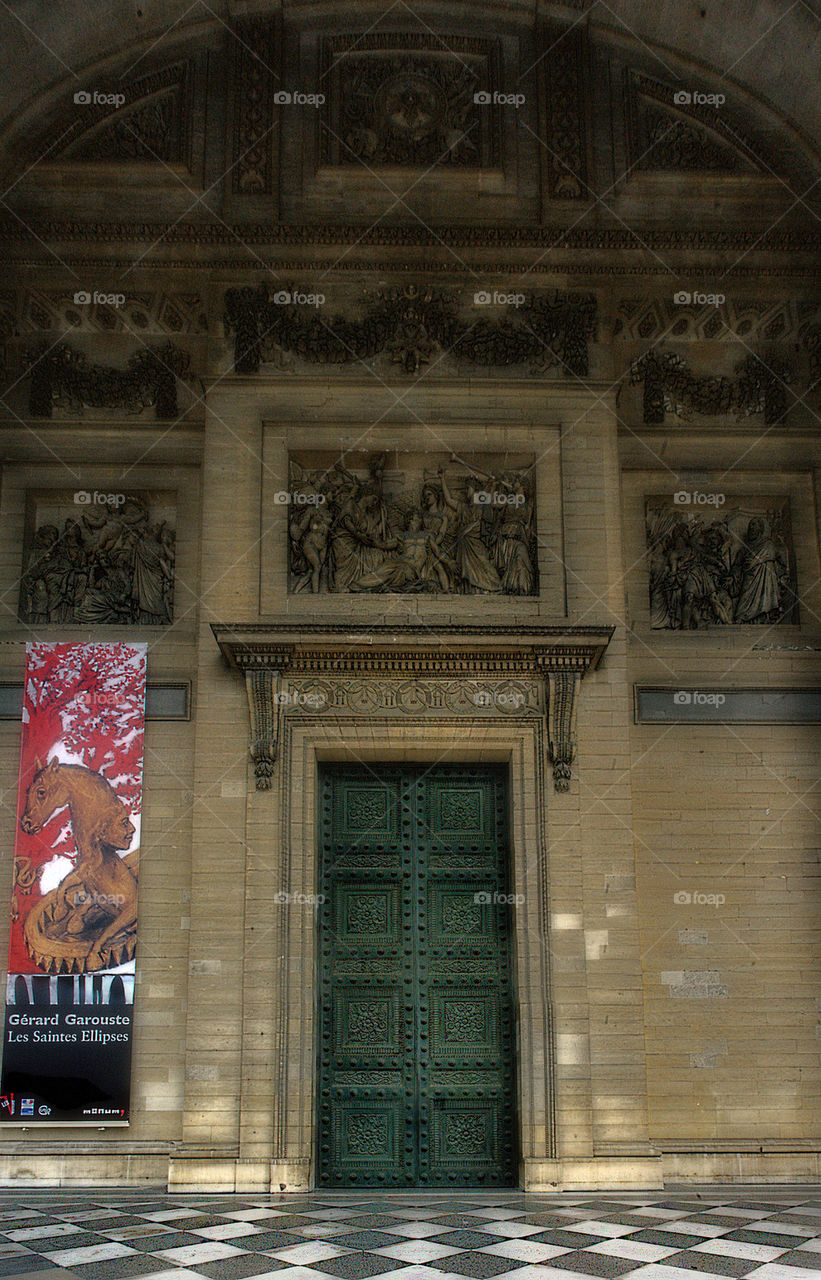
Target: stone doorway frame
{"x": 387, "y": 696}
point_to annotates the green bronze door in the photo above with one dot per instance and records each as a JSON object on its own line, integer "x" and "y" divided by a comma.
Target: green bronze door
{"x": 416, "y": 1083}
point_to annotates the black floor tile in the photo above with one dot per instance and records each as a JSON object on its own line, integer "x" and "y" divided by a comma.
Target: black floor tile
{"x": 289, "y": 1220}
{"x": 365, "y": 1240}
{"x": 77, "y": 1240}
{"x": 163, "y": 1240}
{"x": 749, "y": 1236}
{"x": 18, "y": 1263}
{"x": 356, "y": 1266}
{"x": 464, "y": 1239}
{"x": 364, "y": 1220}
{"x": 673, "y": 1239}
{"x": 139, "y": 1264}
{"x": 458, "y": 1220}
{"x": 196, "y": 1222}
{"x": 594, "y": 1264}
{"x": 554, "y": 1219}
{"x": 801, "y": 1258}
{"x": 711, "y": 1263}
{"x": 262, "y": 1241}
{"x": 246, "y": 1264}
{"x": 476, "y": 1265}
{"x": 570, "y": 1239}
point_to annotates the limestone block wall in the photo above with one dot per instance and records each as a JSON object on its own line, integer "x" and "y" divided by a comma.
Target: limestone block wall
{"x": 140, "y": 1153}
{"x": 727, "y": 854}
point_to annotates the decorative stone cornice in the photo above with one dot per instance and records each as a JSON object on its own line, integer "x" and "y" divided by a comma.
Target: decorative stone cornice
{"x": 268, "y": 654}
{"x": 719, "y": 238}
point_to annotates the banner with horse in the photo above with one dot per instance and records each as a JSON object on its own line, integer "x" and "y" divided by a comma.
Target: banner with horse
{"x": 73, "y": 934}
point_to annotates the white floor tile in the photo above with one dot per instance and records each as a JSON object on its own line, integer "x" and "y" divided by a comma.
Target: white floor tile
{"x": 168, "y": 1215}
{"x": 635, "y": 1250}
{"x": 591, "y": 1227}
{"x": 739, "y": 1249}
{"x": 650, "y": 1211}
{"x": 226, "y": 1230}
{"x": 41, "y": 1233}
{"x": 773, "y": 1271}
{"x": 526, "y": 1250}
{"x": 418, "y": 1229}
{"x": 311, "y": 1251}
{"x": 512, "y": 1229}
{"x": 195, "y": 1254}
{"x": 89, "y": 1253}
{"x": 415, "y": 1251}
{"x": 710, "y": 1229}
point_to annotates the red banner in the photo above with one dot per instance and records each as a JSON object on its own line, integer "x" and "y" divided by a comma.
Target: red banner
{"x": 70, "y": 986}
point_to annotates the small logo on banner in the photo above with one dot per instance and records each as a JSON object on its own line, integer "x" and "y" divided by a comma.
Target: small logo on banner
{"x": 7, "y": 1103}
{"x": 26, "y": 1106}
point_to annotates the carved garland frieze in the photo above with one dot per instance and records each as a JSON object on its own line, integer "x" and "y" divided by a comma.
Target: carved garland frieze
{"x": 670, "y": 386}
{"x": 410, "y": 324}
{"x": 63, "y": 377}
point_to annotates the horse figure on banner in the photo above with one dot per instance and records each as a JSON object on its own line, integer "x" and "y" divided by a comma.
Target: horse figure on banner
{"x": 89, "y": 921}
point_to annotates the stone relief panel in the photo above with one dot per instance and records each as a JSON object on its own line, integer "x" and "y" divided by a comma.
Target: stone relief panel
{"x": 683, "y": 131}
{"x": 718, "y": 559}
{"x": 98, "y": 558}
{"x": 407, "y": 100}
{"x": 146, "y": 119}
{"x": 416, "y": 523}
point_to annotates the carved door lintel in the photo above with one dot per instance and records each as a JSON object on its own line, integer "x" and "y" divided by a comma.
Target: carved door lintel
{"x": 557, "y": 656}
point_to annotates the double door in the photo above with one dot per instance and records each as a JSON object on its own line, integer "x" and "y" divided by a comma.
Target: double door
{"x": 416, "y": 1080}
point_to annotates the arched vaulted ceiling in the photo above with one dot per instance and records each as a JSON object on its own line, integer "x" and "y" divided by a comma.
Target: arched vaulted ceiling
{"x": 765, "y": 57}
{"x": 771, "y": 49}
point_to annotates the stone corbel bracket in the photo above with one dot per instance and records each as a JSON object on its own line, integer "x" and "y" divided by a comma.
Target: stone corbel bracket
{"x": 264, "y": 652}
{"x": 262, "y": 681}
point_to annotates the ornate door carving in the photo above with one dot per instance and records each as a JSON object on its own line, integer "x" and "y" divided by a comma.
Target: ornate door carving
{"x": 416, "y": 1079}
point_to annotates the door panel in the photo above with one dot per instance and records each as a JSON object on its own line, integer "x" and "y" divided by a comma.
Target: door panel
{"x": 415, "y": 1021}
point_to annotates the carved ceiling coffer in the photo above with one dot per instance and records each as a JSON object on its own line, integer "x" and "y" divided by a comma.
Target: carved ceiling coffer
{"x": 336, "y": 669}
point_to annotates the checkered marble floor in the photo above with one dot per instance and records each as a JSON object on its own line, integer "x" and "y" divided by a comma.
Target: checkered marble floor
{"x": 688, "y": 1235}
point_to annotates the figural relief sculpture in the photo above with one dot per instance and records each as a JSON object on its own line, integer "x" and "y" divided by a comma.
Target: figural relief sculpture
{"x": 411, "y": 528}
{"x": 720, "y": 569}
{"x": 105, "y": 563}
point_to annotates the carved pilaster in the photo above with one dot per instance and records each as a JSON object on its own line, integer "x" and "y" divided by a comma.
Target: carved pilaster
{"x": 262, "y": 686}
{"x": 561, "y": 720}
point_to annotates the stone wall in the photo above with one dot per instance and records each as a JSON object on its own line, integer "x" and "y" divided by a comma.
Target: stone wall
{"x": 619, "y": 327}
